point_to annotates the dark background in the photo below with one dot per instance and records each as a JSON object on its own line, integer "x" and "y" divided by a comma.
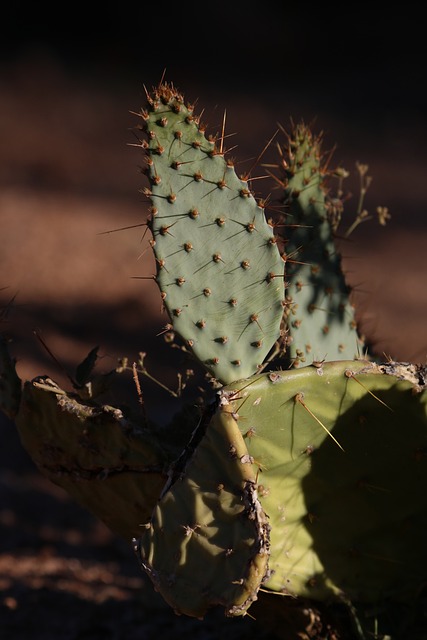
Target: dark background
{"x": 359, "y": 62}
{"x": 69, "y": 77}
{"x": 358, "y": 72}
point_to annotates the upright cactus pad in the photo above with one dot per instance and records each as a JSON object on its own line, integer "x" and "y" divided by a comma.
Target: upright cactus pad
{"x": 320, "y": 316}
{"x": 219, "y": 270}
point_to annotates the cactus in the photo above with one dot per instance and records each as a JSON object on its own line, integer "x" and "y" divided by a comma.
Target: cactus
{"x": 296, "y": 477}
{"x": 321, "y": 318}
{"x": 307, "y": 443}
{"x": 218, "y": 267}
{"x": 343, "y": 521}
{"x": 95, "y": 453}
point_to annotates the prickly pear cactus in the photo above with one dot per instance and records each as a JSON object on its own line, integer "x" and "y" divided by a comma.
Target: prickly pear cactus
{"x": 321, "y": 319}
{"x": 340, "y": 478}
{"x": 111, "y": 464}
{"x": 209, "y": 518}
{"x": 308, "y": 481}
{"x": 219, "y": 270}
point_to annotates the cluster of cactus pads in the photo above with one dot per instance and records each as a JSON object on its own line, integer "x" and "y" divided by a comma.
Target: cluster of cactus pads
{"x": 305, "y": 472}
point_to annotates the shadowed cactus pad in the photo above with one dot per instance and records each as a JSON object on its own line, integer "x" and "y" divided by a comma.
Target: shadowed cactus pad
{"x": 108, "y": 464}
{"x": 218, "y": 266}
{"x": 342, "y": 458}
{"x": 320, "y": 316}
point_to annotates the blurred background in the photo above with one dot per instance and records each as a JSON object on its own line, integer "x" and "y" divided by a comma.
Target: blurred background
{"x": 70, "y": 78}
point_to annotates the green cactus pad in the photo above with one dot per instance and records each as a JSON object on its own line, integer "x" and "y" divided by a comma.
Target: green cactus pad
{"x": 112, "y": 467}
{"x": 320, "y": 316}
{"x": 208, "y": 542}
{"x": 342, "y": 457}
{"x": 218, "y": 266}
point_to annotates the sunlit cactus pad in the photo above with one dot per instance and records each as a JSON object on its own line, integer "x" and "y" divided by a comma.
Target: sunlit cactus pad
{"x": 113, "y": 467}
{"x": 341, "y": 453}
{"x": 218, "y": 266}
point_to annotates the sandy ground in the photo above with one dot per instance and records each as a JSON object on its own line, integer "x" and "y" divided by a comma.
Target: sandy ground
{"x": 67, "y": 176}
